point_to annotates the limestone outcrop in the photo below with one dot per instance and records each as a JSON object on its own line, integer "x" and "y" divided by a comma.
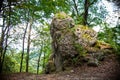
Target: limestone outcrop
{"x": 71, "y": 41}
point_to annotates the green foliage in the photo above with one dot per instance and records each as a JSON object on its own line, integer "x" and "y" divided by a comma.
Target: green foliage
{"x": 97, "y": 13}
{"x": 116, "y": 38}
{"x": 111, "y": 36}
{"x": 80, "y": 49}
{"x": 9, "y": 65}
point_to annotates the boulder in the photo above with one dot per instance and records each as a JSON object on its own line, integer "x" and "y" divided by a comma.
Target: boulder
{"x": 70, "y": 41}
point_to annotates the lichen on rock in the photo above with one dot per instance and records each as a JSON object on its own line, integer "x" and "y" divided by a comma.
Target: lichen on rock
{"x": 86, "y": 36}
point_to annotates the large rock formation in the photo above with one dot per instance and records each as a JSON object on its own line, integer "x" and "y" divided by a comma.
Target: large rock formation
{"x": 70, "y": 40}
{"x": 62, "y": 38}
{"x": 62, "y": 34}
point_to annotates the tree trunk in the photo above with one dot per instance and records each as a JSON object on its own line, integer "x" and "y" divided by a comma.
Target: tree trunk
{"x": 28, "y": 46}
{"x": 3, "y": 46}
{"x": 23, "y": 45}
{"x": 24, "y": 36}
{"x": 1, "y": 4}
{"x": 4, "y": 38}
{"x": 76, "y": 9}
{"x": 43, "y": 62}
{"x": 38, "y": 62}
{"x": 39, "y": 58}
{"x": 5, "y": 49}
{"x": 86, "y": 7}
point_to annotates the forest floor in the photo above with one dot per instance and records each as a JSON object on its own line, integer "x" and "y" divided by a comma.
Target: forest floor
{"x": 109, "y": 69}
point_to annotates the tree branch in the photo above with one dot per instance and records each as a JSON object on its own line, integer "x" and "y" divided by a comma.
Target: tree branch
{"x": 75, "y": 6}
{"x": 1, "y": 4}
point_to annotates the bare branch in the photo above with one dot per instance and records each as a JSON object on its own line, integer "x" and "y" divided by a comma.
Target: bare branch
{"x": 75, "y": 6}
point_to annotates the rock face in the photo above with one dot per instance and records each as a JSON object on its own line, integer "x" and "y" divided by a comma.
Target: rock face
{"x": 66, "y": 35}
{"x": 62, "y": 38}
{"x": 85, "y": 36}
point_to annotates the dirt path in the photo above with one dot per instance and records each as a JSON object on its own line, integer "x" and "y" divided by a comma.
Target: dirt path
{"x": 108, "y": 70}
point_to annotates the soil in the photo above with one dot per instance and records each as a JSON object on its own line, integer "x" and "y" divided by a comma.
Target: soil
{"x": 108, "y": 69}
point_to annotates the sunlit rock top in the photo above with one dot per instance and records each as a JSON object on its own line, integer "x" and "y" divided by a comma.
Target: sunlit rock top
{"x": 86, "y": 36}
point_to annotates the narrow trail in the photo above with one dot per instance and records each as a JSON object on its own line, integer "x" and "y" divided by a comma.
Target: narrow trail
{"x": 109, "y": 69}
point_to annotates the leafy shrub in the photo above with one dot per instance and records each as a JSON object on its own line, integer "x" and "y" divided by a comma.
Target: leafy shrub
{"x": 9, "y": 64}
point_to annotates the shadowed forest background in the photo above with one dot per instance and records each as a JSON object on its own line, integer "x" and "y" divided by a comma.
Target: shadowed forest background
{"x": 25, "y": 40}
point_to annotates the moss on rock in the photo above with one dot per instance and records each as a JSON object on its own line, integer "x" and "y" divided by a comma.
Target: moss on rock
{"x": 86, "y": 36}
{"x": 61, "y": 15}
{"x": 102, "y": 45}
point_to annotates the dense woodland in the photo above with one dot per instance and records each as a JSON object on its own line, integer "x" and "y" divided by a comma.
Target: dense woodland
{"x": 25, "y": 41}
